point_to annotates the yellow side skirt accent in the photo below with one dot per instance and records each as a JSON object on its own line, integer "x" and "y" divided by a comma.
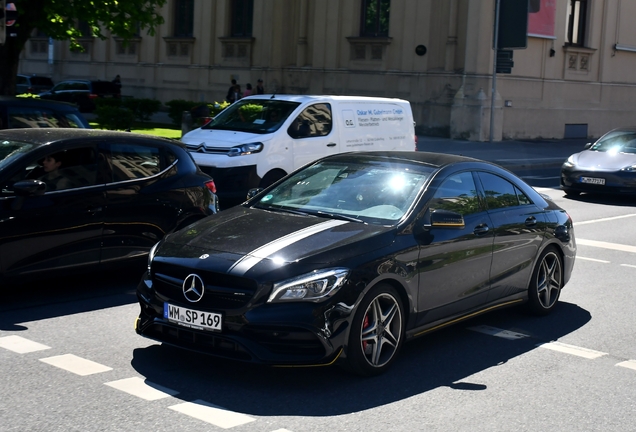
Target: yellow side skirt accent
{"x": 467, "y": 317}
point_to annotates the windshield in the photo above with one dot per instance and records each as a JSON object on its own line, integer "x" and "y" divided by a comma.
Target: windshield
{"x": 616, "y": 142}
{"x": 259, "y": 116}
{"x": 371, "y": 191}
{"x": 10, "y": 150}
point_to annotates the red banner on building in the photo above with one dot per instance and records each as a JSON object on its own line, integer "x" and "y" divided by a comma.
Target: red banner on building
{"x": 542, "y": 23}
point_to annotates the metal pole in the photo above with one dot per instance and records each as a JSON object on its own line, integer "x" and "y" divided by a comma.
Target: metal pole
{"x": 494, "y": 71}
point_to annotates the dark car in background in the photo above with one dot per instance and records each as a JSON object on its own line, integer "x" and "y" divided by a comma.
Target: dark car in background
{"x": 605, "y": 166}
{"x": 34, "y": 84}
{"x": 350, "y": 256}
{"x": 18, "y": 113}
{"x": 108, "y": 199}
{"x": 82, "y": 92}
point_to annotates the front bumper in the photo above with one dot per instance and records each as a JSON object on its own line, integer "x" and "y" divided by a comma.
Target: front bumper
{"x": 616, "y": 182}
{"x": 286, "y": 334}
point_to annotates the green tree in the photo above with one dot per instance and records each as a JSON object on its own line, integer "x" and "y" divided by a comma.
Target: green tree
{"x": 59, "y": 19}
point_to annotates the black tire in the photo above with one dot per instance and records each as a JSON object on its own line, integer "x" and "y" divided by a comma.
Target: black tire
{"x": 546, "y": 283}
{"x": 271, "y": 178}
{"x": 363, "y": 357}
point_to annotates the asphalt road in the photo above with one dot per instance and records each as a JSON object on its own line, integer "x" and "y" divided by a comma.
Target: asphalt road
{"x": 70, "y": 360}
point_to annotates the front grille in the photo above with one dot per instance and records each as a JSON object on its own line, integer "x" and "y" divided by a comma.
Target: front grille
{"x": 201, "y": 148}
{"x": 222, "y": 291}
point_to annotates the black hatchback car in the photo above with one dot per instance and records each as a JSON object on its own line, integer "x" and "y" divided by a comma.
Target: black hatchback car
{"x": 348, "y": 257}
{"x": 83, "y": 198}
{"x": 19, "y": 112}
{"x": 82, "y": 92}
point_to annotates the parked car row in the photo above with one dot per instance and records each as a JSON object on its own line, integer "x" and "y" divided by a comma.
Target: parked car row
{"x": 81, "y": 93}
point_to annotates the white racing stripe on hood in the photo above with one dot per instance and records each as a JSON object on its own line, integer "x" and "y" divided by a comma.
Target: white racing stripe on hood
{"x": 257, "y": 255}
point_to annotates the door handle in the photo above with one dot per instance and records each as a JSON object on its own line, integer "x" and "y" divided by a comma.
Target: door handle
{"x": 531, "y": 221}
{"x": 93, "y": 210}
{"x": 331, "y": 145}
{"x": 481, "y": 229}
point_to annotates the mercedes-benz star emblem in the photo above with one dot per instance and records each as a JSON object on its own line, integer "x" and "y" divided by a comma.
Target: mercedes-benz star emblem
{"x": 193, "y": 288}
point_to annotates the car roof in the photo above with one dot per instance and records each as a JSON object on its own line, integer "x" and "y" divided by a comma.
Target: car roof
{"x": 44, "y": 136}
{"x": 437, "y": 160}
{"x": 321, "y": 98}
{"x": 36, "y": 102}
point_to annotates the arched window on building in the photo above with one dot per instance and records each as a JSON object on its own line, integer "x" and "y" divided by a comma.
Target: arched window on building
{"x": 375, "y": 18}
{"x": 242, "y": 17}
{"x": 577, "y": 21}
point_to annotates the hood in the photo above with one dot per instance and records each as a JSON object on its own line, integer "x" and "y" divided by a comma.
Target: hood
{"x": 604, "y": 161}
{"x": 239, "y": 239}
{"x": 219, "y": 138}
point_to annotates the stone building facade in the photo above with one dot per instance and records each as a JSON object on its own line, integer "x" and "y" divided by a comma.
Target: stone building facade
{"x": 575, "y": 78}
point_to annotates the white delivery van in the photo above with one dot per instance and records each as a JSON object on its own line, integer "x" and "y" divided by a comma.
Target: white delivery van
{"x": 259, "y": 139}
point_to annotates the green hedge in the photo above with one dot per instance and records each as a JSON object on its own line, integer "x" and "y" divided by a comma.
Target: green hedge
{"x": 198, "y": 109}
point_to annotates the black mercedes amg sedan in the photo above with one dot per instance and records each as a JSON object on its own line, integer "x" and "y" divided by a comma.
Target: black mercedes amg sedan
{"x": 82, "y": 199}
{"x": 346, "y": 258}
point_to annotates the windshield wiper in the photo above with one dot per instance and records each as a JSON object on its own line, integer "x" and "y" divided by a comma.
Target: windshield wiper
{"x": 284, "y": 210}
{"x": 338, "y": 216}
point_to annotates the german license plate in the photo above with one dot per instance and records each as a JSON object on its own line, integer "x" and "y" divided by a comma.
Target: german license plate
{"x": 593, "y": 180}
{"x": 192, "y": 318}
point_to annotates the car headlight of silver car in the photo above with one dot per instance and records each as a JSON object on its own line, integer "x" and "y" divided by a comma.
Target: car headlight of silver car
{"x": 569, "y": 163}
{"x": 245, "y": 149}
{"x": 313, "y": 286}
{"x": 631, "y": 168}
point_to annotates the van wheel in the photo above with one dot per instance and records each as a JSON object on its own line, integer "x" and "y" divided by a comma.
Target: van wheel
{"x": 271, "y": 178}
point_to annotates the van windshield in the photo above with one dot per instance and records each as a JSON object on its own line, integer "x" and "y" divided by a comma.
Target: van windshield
{"x": 259, "y": 116}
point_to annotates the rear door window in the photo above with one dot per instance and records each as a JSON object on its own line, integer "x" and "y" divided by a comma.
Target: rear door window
{"x": 134, "y": 161}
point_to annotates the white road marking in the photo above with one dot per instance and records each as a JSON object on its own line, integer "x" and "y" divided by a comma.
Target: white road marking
{"x": 592, "y": 259}
{"x": 76, "y": 365}
{"x": 494, "y": 331}
{"x": 628, "y": 265}
{"x": 629, "y": 364}
{"x": 143, "y": 389}
{"x": 282, "y": 430}
{"x": 571, "y": 349}
{"x": 604, "y": 219}
{"x": 212, "y": 414}
{"x": 606, "y": 245}
{"x": 21, "y": 345}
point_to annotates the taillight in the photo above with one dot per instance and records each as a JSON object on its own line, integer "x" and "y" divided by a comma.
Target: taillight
{"x": 211, "y": 186}
{"x": 92, "y": 96}
{"x": 415, "y": 142}
{"x": 30, "y": 90}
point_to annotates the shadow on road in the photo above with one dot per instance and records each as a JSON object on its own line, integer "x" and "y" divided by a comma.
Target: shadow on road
{"x": 68, "y": 295}
{"x": 604, "y": 199}
{"x": 443, "y": 359}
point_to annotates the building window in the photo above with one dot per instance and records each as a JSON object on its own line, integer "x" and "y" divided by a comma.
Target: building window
{"x": 242, "y": 17}
{"x": 577, "y": 18}
{"x": 183, "y": 18}
{"x": 375, "y": 18}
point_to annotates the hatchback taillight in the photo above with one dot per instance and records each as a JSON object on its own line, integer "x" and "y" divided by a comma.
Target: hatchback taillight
{"x": 415, "y": 142}
{"x": 211, "y": 186}
{"x": 92, "y": 96}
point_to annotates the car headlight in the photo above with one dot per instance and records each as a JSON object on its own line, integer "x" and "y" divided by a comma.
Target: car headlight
{"x": 313, "y": 286}
{"x": 569, "y": 163}
{"x": 245, "y": 149}
{"x": 631, "y": 168}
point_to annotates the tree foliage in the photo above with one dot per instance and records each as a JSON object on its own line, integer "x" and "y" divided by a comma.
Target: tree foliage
{"x": 60, "y": 19}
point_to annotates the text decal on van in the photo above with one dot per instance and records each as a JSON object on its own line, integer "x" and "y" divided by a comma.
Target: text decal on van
{"x": 349, "y": 118}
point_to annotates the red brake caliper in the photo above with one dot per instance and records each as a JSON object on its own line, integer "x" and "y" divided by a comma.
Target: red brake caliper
{"x": 365, "y": 324}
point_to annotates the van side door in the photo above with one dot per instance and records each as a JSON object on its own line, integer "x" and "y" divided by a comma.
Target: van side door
{"x": 312, "y": 134}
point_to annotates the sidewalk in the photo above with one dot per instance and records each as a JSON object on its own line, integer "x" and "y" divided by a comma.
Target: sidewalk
{"x": 513, "y": 154}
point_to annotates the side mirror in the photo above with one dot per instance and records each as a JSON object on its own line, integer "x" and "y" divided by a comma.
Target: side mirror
{"x": 446, "y": 218}
{"x": 30, "y": 187}
{"x": 253, "y": 192}
{"x": 587, "y": 146}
